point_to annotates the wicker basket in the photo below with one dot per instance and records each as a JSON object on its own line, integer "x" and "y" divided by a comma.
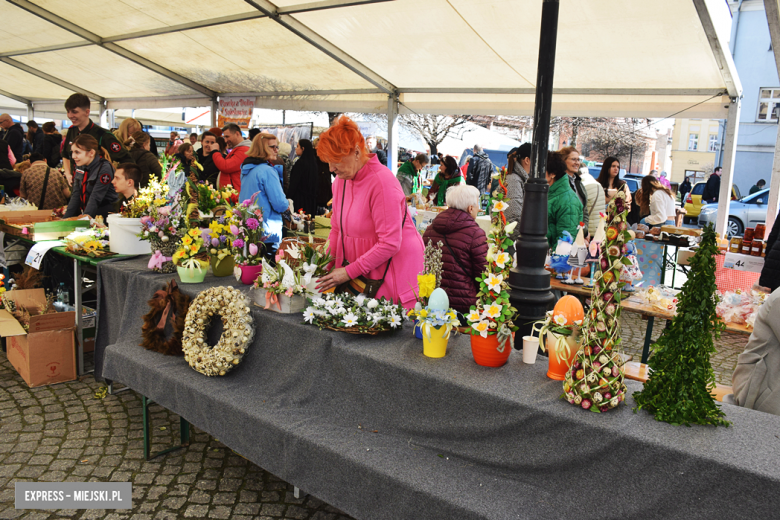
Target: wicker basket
{"x": 167, "y": 249}
{"x": 357, "y": 330}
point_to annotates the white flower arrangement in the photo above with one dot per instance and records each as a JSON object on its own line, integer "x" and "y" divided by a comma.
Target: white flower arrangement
{"x": 354, "y": 314}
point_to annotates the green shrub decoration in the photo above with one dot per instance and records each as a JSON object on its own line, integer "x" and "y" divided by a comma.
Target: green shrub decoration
{"x": 681, "y": 375}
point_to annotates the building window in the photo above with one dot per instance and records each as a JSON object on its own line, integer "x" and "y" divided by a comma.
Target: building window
{"x": 693, "y": 142}
{"x": 768, "y": 105}
{"x": 713, "y": 147}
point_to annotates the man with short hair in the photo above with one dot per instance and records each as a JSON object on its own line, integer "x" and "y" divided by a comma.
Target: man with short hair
{"x": 42, "y": 185}
{"x": 13, "y": 134}
{"x": 37, "y": 142}
{"x": 758, "y": 187}
{"x": 230, "y": 166}
{"x": 127, "y": 177}
{"x": 78, "y": 107}
{"x": 480, "y": 170}
{"x": 173, "y": 144}
{"x": 194, "y": 142}
{"x": 712, "y": 188}
{"x": 409, "y": 174}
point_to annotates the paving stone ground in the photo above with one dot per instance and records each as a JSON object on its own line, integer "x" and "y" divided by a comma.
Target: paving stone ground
{"x": 64, "y": 433}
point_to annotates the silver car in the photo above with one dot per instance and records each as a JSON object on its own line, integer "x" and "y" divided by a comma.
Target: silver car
{"x": 743, "y": 213}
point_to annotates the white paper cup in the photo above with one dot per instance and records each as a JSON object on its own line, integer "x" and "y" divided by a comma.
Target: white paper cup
{"x": 530, "y": 348}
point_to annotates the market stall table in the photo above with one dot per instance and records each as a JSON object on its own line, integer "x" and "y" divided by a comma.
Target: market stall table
{"x": 371, "y": 426}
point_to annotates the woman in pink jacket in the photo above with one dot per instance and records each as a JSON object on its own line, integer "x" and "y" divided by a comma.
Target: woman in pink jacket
{"x": 370, "y": 222}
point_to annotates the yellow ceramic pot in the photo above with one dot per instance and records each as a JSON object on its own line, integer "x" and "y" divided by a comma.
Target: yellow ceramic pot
{"x": 436, "y": 346}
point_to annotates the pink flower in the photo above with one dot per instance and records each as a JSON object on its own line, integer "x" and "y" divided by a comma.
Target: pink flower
{"x": 289, "y": 292}
{"x": 233, "y": 229}
{"x": 586, "y": 403}
{"x": 253, "y": 249}
{"x": 165, "y": 210}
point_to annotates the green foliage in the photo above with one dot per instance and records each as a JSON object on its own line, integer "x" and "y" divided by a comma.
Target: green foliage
{"x": 681, "y": 375}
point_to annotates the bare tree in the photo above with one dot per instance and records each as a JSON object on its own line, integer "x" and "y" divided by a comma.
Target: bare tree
{"x": 434, "y": 128}
{"x": 616, "y": 138}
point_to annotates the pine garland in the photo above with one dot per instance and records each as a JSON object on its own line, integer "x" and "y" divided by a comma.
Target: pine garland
{"x": 681, "y": 375}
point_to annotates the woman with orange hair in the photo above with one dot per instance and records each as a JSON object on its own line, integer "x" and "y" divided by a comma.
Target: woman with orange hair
{"x": 372, "y": 233}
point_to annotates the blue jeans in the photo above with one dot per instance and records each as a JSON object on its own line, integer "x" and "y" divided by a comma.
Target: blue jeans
{"x": 669, "y": 222}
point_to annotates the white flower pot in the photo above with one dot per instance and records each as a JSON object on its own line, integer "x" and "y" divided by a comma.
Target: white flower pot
{"x": 122, "y": 237}
{"x": 288, "y": 304}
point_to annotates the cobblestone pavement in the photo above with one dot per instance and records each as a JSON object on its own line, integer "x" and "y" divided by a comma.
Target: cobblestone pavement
{"x": 64, "y": 433}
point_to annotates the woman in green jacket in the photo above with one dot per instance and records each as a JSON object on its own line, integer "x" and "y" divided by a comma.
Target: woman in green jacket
{"x": 564, "y": 209}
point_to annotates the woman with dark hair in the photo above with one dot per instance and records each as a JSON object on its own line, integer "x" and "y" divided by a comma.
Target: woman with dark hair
{"x": 564, "y": 209}
{"x": 655, "y": 201}
{"x": 93, "y": 192}
{"x": 304, "y": 179}
{"x": 609, "y": 178}
{"x": 185, "y": 154}
{"x": 449, "y": 175}
{"x": 139, "y": 145}
{"x": 52, "y": 140}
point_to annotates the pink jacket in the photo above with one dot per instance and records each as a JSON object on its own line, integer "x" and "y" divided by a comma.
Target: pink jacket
{"x": 373, "y": 207}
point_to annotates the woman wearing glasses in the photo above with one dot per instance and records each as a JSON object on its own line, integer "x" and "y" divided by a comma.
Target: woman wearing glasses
{"x": 260, "y": 178}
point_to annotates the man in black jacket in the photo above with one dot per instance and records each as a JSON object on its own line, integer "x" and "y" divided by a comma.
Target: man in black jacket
{"x": 13, "y": 134}
{"x": 204, "y": 154}
{"x": 712, "y": 189}
{"x": 480, "y": 170}
{"x": 37, "y": 143}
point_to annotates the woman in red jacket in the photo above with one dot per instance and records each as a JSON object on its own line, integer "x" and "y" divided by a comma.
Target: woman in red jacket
{"x": 464, "y": 246}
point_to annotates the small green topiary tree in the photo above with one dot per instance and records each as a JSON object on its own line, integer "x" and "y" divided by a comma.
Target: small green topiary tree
{"x": 681, "y": 375}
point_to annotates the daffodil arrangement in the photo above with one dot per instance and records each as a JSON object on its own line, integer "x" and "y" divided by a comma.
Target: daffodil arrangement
{"x": 220, "y": 239}
{"x": 246, "y": 226}
{"x": 91, "y": 242}
{"x": 192, "y": 251}
{"x": 354, "y": 314}
{"x": 428, "y": 318}
{"x": 430, "y": 278}
{"x": 493, "y": 314}
{"x": 154, "y": 193}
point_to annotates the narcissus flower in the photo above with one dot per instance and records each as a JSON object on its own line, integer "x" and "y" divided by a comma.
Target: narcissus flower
{"x": 499, "y": 205}
{"x": 494, "y": 282}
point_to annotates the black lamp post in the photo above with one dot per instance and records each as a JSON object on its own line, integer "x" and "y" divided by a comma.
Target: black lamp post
{"x": 530, "y": 281}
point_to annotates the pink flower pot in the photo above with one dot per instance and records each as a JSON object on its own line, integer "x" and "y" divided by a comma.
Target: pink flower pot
{"x": 249, "y": 273}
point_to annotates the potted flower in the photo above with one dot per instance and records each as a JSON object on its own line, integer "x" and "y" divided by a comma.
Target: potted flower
{"x": 316, "y": 258}
{"x": 126, "y": 224}
{"x": 436, "y": 321}
{"x": 429, "y": 279}
{"x": 491, "y": 326}
{"x": 559, "y": 335}
{"x": 163, "y": 225}
{"x": 191, "y": 258}
{"x": 246, "y": 226}
{"x": 220, "y": 245}
{"x": 279, "y": 288}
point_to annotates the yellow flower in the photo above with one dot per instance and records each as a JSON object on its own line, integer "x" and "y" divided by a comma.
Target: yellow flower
{"x": 474, "y": 316}
{"x": 194, "y": 232}
{"x": 423, "y": 313}
{"x": 194, "y": 248}
{"x": 494, "y": 282}
{"x": 186, "y": 240}
{"x": 501, "y": 259}
{"x": 228, "y": 214}
{"x": 559, "y": 319}
{"x": 427, "y": 283}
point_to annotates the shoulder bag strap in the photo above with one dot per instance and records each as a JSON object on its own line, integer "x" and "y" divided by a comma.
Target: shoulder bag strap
{"x": 43, "y": 191}
{"x": 454, "y": 256}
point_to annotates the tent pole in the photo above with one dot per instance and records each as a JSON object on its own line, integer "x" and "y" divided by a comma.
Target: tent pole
{"x": 214, "y": 107}
{"x": 727, "y": 177}
{"x": 774, "y": 187}
{"x": 392, "y": 133}
{"x": 529, "y": 282}
{"x": 30, "y": 112}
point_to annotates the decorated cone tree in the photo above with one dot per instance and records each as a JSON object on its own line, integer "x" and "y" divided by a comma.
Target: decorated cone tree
{"x": 595, "y": 379}
{"x": 681, "y": 375}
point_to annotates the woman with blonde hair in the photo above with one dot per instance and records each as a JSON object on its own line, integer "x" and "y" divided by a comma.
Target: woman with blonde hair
{"x": 657, "y": 200}
{"x": 127, "y": 128}
{"x": 259, "y": 178}
{"x": 138, "y": 144}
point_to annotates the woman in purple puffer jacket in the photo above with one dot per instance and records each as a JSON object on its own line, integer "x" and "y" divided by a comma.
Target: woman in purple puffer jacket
{"x": 464, "y": 246}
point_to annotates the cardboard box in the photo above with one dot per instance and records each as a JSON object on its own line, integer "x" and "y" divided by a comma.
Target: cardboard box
{"x": 45, "y": 354}
{"x": 40, "y": 225}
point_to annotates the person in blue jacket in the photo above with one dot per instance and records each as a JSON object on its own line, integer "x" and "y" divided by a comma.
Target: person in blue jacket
{"x": 260, "y": 178}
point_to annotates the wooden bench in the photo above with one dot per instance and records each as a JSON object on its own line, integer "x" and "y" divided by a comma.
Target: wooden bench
{"x": 639, "y": 372}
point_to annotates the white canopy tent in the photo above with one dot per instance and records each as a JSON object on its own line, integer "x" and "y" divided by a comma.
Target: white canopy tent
{"x": 614, "y": 58}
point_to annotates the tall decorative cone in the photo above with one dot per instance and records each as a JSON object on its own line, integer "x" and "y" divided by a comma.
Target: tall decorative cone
{"x": 681, "y": 376}
{"x": 595, "y": 379}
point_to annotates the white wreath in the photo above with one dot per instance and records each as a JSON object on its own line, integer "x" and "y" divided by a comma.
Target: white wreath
{"x": 232, "y": 305}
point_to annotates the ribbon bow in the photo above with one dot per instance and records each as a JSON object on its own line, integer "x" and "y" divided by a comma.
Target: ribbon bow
{"x": 158, "y": 259}
{"x": 167, "y": 295}
{"x": 270, "y": 299}
{"x": 191, "y": 264}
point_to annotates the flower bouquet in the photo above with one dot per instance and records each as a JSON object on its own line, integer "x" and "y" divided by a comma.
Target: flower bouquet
{"x": 191, "y": 258}
{"x": 354, "y": 314}
{"x": 279, "y": 286}
{"x": 435, "y": 322}
{"x": 315, "y": 261}
{"x": 207, "y": 202}
{"x": 492, "y": 328}
{"x": 91, "y": 242}
{"x": 560, "y": 332}
{"x": 246, "y": 226}
{"x": 163, "y": 225}
{"x": 220, "y": 245}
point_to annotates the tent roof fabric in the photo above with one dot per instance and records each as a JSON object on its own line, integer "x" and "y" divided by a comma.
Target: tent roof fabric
{"x": 647, "y": 59}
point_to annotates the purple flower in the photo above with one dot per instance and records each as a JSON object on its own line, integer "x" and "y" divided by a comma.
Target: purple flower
{"x": 238, "y": 243}
{"x": 221, "y": 220}
{"x": 246, "y": 203}
{"x": 215, "y": 241}
{"x": 146, "y": 219}
{"x": 222, "y": 239}
{"x": 204, "y": 234}
{"x": 252, "y": 224}
{"x": 253, "y": 249}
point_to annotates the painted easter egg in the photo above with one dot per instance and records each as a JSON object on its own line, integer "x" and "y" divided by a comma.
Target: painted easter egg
{"x": 438, "y": 301}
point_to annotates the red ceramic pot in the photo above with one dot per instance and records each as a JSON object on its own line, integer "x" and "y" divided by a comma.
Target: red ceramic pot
{"x": 485, "y": 351}
{"x": 249, "y": 273}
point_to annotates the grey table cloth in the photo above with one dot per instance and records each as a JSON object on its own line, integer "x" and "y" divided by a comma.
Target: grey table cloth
{"x": 373, "y": 427}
